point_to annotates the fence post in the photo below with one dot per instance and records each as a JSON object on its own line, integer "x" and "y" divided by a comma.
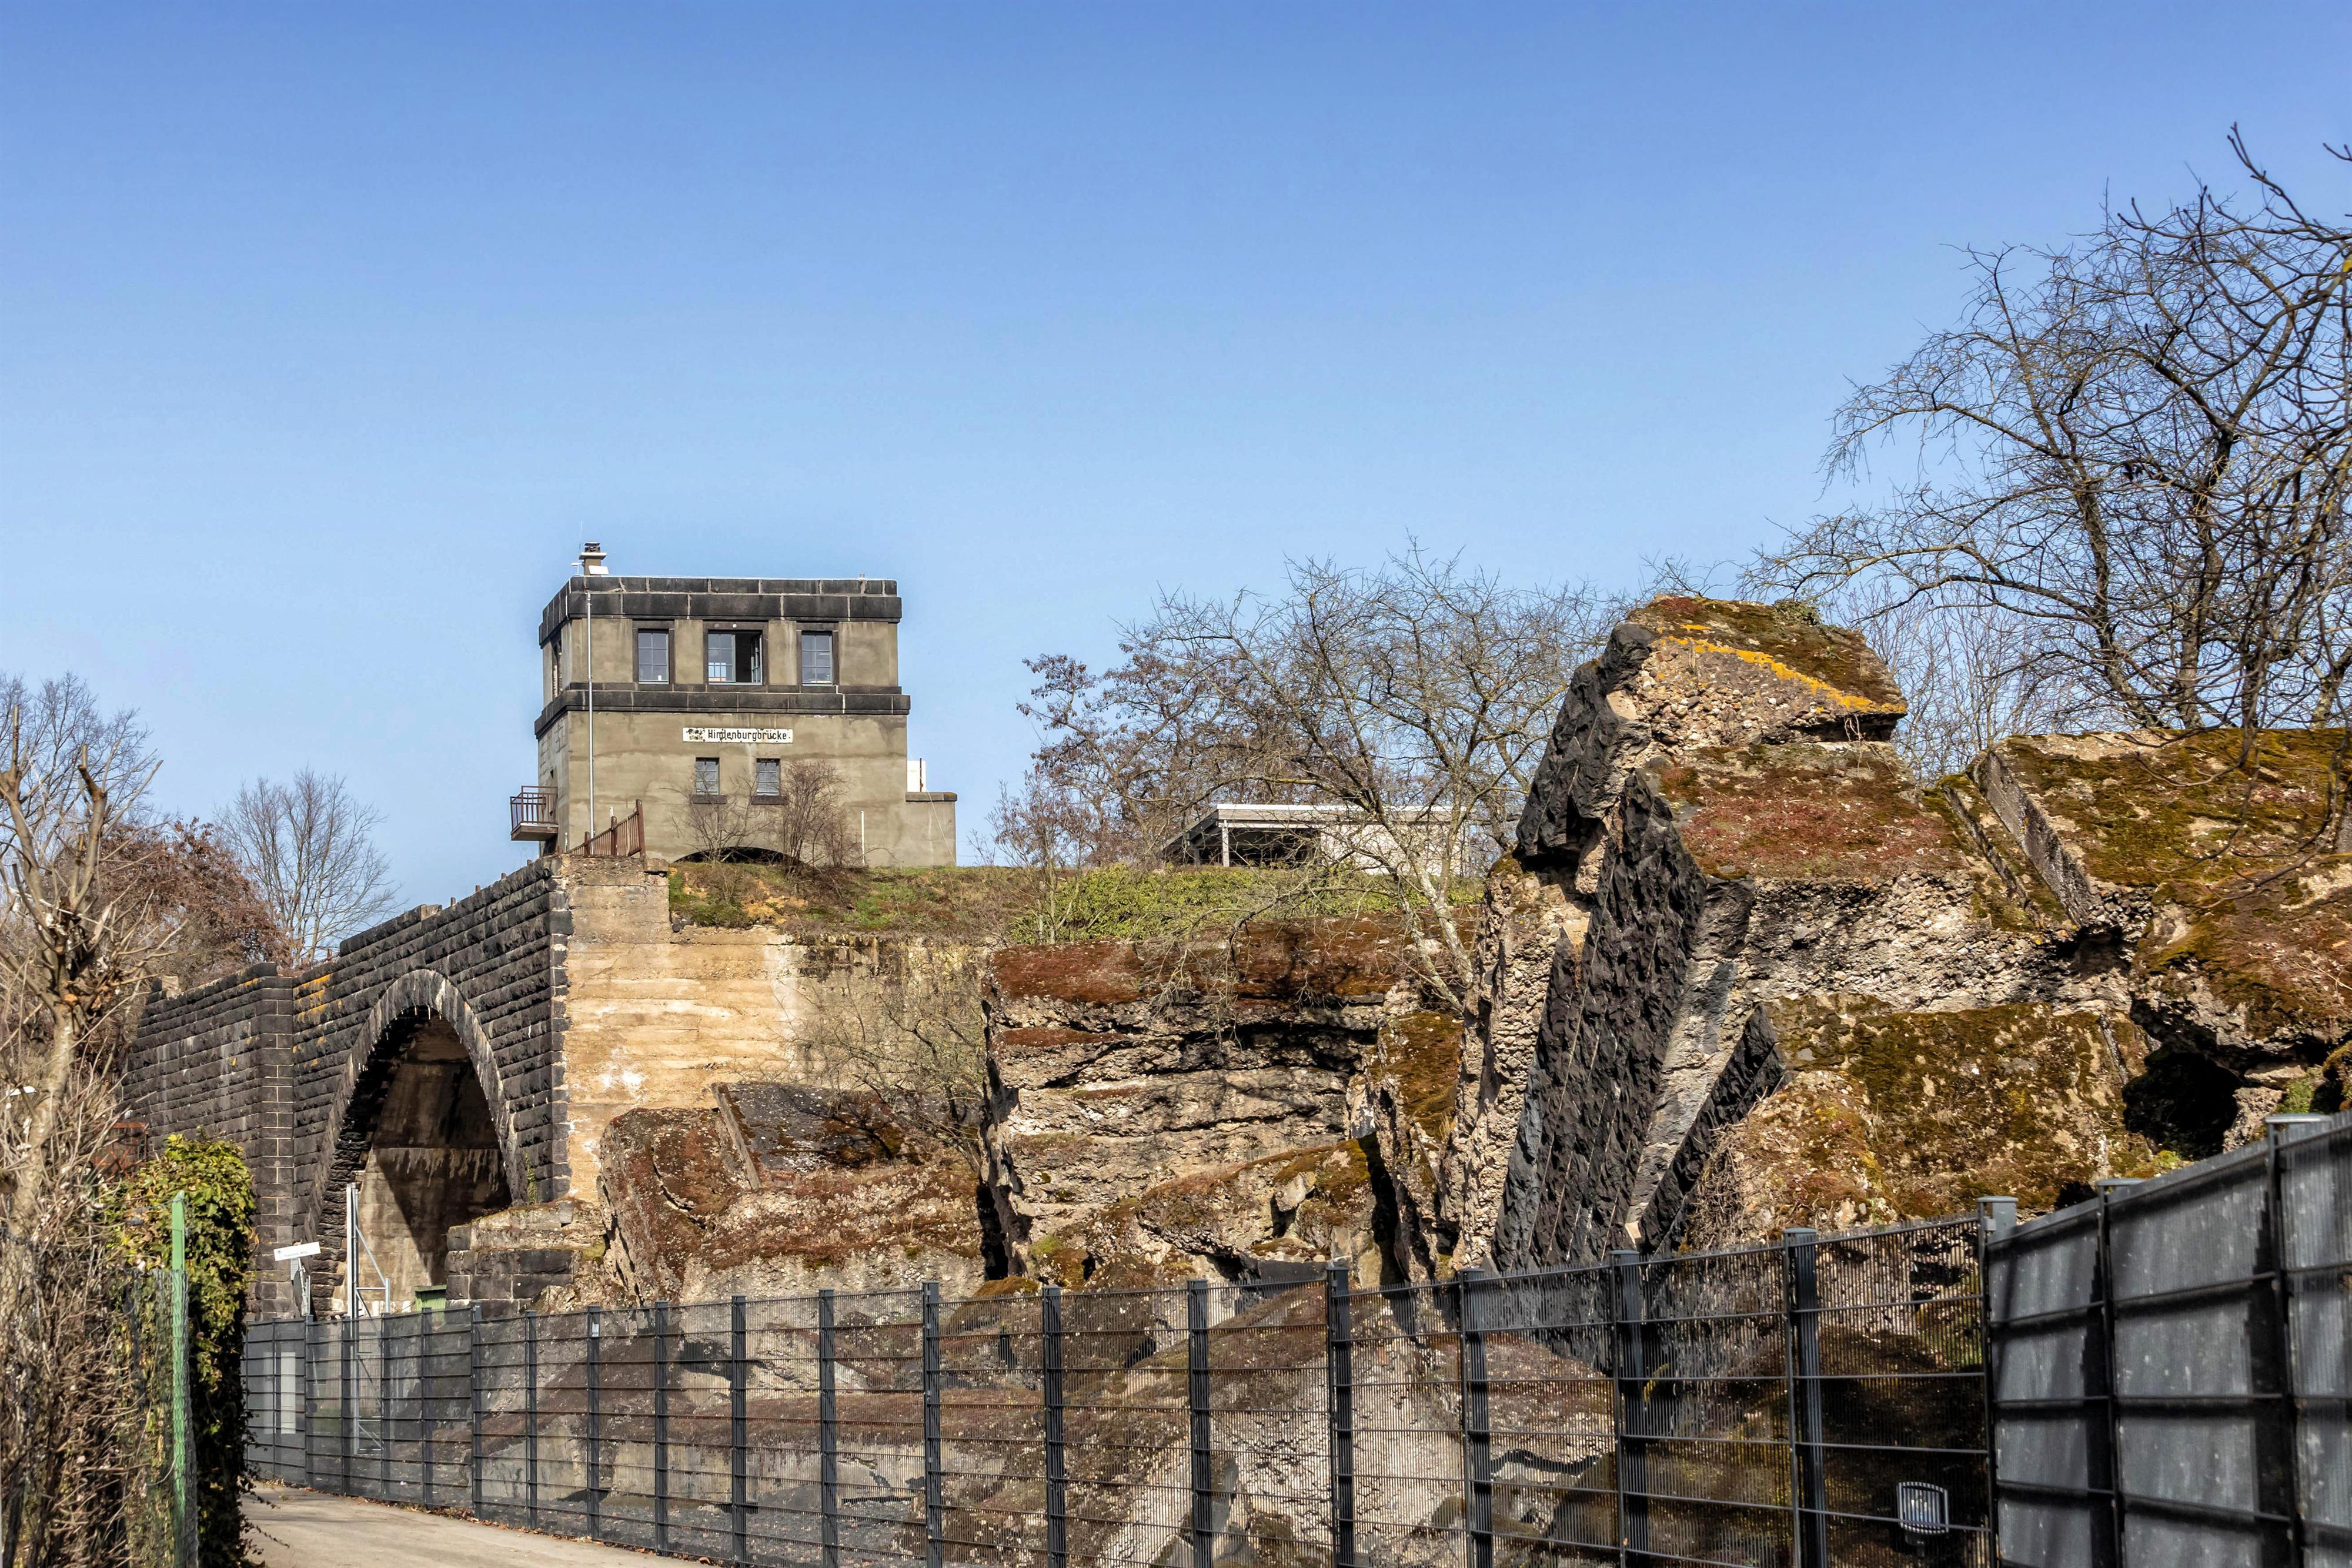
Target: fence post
{"x": 384, "y": 1404}
{"x": 2280, "y": 1455}
{"x": 306, "y": 1414}
{"x": 474, "y": 1410}
{"x": 1477, "y": 1477}
{"x": 183, "y": 1481}
{"x": 661, "y": 1427}
{"x": 1339, "y": 1377}
{"x": 1996, "y": 1219}
{"x": 1808, "y": 1497}
{"x": 934, "y": 1498}
{"x": 595, "y": 1425}
{"x": 351, "y": 1396}
{"x": 737, "y": 1477}
{"x": 1196, "y": 1324}
{"x": 428, "y": 1333}
{"x": 828, "y": 1439}
{"x": 2105, "y": 1440}
{"x": 1632, "y": 1372}
{"x": 1049, "y": 1362}
{"x": 530, "y": 1416}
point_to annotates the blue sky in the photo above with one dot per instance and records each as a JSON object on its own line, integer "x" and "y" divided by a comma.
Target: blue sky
{"x": 327, "y": 333}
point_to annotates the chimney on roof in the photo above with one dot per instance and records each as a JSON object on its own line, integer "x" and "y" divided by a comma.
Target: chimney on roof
{"x": 592, "y": 559}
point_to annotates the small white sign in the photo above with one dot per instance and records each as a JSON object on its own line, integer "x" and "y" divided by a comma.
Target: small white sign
{"x": 740, "y": 736}
{"x": 300, "y": 1250}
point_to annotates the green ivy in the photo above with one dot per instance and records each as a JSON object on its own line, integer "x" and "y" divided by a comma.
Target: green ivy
{"x": 220, "y": 1263}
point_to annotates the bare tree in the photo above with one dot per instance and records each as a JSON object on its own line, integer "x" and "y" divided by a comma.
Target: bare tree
{"x": 1416, "y": 699}
{"x": 721, "y": 828}
{"x": 1961, "y": 673}
{"x": 809, "y": 825}
{"x": 75, "y": 940}
{"x": 307, "y": 846}
{"x": 2135, "y": 456}
{"x": 1048, "y": 834}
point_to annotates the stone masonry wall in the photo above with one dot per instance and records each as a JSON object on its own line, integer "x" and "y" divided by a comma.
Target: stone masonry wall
{"x": 274, "y": 1061}
{"x": 577, "y": 999}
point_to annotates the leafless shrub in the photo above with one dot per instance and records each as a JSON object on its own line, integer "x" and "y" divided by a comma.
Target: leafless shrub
{"x": 810, "y": 826}
{"x": 721, "y": 829}
{"x": 917, "y": 1046}
{"x": 307, "y": 846}
{"x": 802, "y": 821}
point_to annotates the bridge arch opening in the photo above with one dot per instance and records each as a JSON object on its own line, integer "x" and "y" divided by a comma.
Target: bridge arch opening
{"x": 420, "y": 1141}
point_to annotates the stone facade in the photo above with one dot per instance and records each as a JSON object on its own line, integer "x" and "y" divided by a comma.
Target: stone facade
{"x": 295, "y": 1067}
{"x": 851, "y": 717}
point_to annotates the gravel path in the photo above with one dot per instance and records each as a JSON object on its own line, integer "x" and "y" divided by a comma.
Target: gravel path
{"x": 299, "y": 1529}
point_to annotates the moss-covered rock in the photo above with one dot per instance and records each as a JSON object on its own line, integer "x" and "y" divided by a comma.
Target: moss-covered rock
{"x": 1891, "y": 1115}
{"x": 2216, "y": 859}
{"x": 780, "y": 1189}
{"x": 1808, "y": 810}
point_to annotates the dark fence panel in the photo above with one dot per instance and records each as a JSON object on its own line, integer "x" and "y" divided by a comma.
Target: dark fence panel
{"x": 2168, "y": 1365}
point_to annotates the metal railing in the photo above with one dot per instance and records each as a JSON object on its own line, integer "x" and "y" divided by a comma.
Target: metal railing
{"x": 1768, "y": 1406}
{"x": 531, "y": 811}
{"x": 622, "y": 836}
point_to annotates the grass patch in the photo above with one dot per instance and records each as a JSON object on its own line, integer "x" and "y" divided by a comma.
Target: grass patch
{"x": 1000, "y": 904}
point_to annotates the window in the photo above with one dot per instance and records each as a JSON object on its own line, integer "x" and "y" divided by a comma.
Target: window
{"x": 652, "y": 657}
{"x": 706, "y": 776}
{"x": 768, "y": 776}
{"x": 732, "y": 657}
{"x": 817, "y": 658}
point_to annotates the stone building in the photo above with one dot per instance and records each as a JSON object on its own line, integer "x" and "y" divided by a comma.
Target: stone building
{"x": 696, "y": 698}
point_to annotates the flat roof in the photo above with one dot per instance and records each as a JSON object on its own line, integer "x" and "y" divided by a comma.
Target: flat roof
{"x": 724, "y": 599}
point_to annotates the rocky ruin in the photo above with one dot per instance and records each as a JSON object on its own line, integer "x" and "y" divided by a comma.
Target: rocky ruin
{"x": 1740, "y": 971}
{"x": 1743, "y": 972}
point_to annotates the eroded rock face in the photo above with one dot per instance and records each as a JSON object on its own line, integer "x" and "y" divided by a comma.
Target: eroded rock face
{"x": 782, "y": 1188}
{"x": 1683, "y": 672}
{"x": 1163, "y": 1111}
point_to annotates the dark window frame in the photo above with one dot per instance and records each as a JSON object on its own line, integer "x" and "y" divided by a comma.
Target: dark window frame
{"x": 831, "y": 635}
{"x": 756, "y": 674}
{"x": 668, "y": 662}
{"x": 764, "y": 768}
{"x": 715, "y": 775}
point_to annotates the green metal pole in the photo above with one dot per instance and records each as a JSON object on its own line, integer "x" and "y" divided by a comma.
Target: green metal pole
{"x": 183, "y": 1488}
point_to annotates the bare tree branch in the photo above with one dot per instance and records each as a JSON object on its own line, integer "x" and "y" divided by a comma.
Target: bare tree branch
{"x": 307, "y": 846}
{"x": 2134, "y": 462}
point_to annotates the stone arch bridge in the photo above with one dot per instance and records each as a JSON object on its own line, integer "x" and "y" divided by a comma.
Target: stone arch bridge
{"x": 456, "y": 1061}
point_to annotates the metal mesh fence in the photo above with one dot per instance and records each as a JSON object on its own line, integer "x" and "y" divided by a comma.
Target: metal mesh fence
{"x": 1765, "y": 1406}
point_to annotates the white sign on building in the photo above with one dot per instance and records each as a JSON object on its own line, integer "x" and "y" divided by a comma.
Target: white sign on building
{"x": 740, "y": 736}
